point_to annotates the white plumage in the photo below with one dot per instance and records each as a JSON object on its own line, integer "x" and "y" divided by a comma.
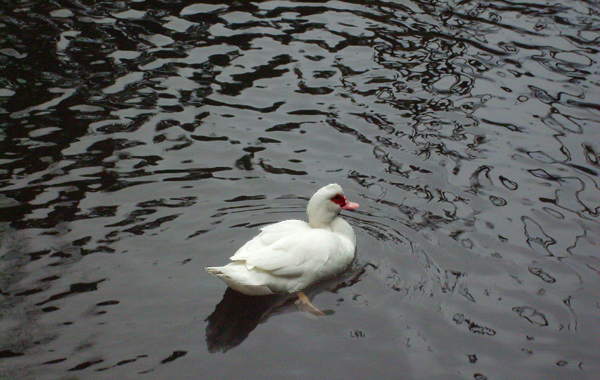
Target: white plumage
{"x": 291, "y": 255}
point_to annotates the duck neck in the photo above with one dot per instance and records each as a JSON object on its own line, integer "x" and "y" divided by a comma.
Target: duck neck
{"x": 321, "y": 219}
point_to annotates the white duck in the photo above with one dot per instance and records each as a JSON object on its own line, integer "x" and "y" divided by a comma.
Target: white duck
{"x": 288, "y": 256}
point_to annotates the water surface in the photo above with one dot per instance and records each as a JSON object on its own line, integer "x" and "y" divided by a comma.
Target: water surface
{"x": 142, "y": 141}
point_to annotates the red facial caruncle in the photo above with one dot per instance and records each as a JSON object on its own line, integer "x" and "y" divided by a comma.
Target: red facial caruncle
{"x": 341, "y": 200}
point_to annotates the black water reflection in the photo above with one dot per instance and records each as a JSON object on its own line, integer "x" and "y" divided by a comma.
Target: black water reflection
{"x": 237, "y": 314}
{"x": 141, "y": 141}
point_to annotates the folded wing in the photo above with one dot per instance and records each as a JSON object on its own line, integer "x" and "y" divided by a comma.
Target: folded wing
{"x": 288, "y": 249}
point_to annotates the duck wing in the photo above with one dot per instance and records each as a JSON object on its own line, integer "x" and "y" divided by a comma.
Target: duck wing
{"x": 288, "y": 249}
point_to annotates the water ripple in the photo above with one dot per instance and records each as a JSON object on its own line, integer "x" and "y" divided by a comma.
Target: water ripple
{"x": 144, "y": 140}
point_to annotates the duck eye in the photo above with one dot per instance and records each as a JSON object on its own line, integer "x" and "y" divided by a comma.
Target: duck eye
{"x": 339, "y": 199}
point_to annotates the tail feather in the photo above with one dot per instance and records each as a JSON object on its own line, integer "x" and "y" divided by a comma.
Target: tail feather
{"x": 214, "y": 270}
{"x": 248, "y": 289}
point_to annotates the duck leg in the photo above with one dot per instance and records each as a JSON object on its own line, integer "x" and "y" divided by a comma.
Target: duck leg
{"x": 304, "y": 304}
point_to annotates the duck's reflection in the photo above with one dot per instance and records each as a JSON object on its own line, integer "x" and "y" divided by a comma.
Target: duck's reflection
{"x": 238, "y": 314}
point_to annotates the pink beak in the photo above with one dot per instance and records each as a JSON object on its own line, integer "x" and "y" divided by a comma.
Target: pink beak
{"x": 350, "y": 206}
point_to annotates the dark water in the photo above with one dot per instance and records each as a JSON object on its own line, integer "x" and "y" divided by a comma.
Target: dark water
{"x": 144, "y": 140}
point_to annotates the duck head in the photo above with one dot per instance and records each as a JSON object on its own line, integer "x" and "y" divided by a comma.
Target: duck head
{"x": 326, "y": 204}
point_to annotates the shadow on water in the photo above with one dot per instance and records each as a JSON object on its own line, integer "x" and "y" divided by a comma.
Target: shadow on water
{"x": 237, "y": 314}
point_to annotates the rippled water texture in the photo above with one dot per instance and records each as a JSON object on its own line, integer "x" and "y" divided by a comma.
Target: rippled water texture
{"x": 144, "y": 140}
